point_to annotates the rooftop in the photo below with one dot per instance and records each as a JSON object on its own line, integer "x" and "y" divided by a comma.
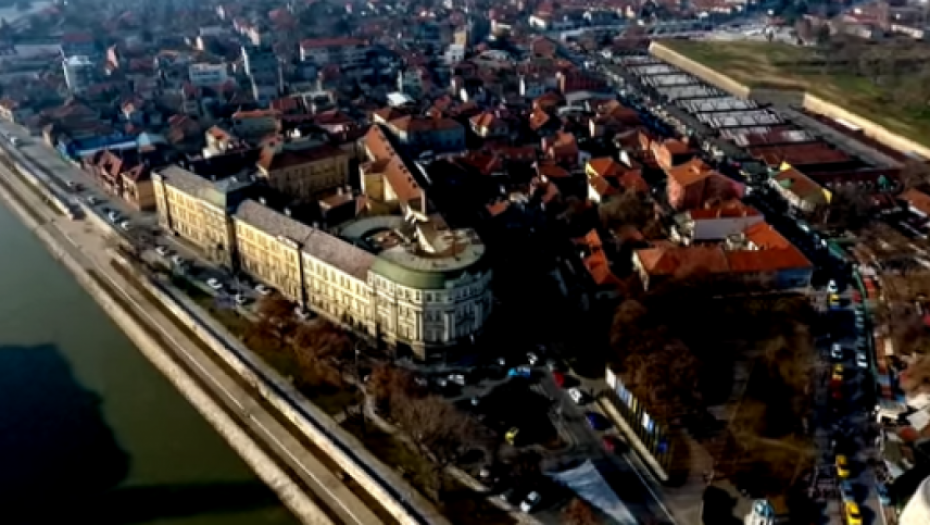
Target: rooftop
{"x": 213, "y": 191}
{"x": 425, "y": 255}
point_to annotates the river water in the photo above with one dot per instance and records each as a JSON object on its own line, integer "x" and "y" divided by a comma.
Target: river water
{"x": 90, "y": 432}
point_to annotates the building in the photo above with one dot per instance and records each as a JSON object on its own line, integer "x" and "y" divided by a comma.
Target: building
{"x": 417, "y": 284}
{"x": 197, "y": 209}
{"x": 303, "y": 168}
{"x": 693, "y": 184}
{"x": 255, "y": 123}
{"x": 78, "y": 44}
{"x": 387, "y": 179}
{"x": 345, "y": 52}
{"x": 757, "y": 257}
{"x": 207, "y": 75}
{"x": 800, "y": 191}
{"x": 80, "y": 73}
{"x": 124, "y": 174}
{"x": 714, "y": 223}
{"x": 260, "y": 64}
{"x": 14, "y": 111}
{"x": 417, "y": 134}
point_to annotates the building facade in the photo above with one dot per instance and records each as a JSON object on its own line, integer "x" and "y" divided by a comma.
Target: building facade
{"x": 304, "y": 169}
{"x": 346, "y": 52}
{"x": 79, "y": 72}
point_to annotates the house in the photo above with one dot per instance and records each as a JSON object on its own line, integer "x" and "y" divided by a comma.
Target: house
{"x": 346, "y": 52}
{"x": 561, "y": 148}
{"x": 489, "y": 124}
{"x": 608, "y": 177}
{"x": 256, "y": 123}
{"x": 671, "y": 152}
{"x": 693, "y": 184}
{"x": 757, "y": 257}
{"x": 802, "y": 193}
{"x": 220, "y": 141}
{"x": 917, "y": 201}
{"x": 417, "y": 133}
{"x": 606, "y": 285}
{"x": 124, "y": 174}
{"x": 714, "y": 223}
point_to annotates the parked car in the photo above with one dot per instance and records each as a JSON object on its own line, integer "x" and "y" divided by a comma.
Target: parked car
{"x": 832, "y": 287}
{"x": 532, "y": 358}
{"x": 178, "y": 260}
{"x": 613, "y": 444}
{"x": 301, "y": 313}
{"x": 214, "y": 283}
{"x": 512, "y": 435}
{"x": 861, "y": 360}
{"x": 846, "y": 491}
{"x": 597, "y": 421}
{"x": 530, "y": 502}
{"x": 836, "y": 352}
{"x": 576, "y": 395}
{"x": 884, "y": 495}
{"x": 853, "y": 516}
{"x": 240, "y": 299}
{"x": 113, "y": 216}
{"x": 125, "y": 225}
{"x": 162, "y": 250}
{"x": 521, "y": 371}
{"x": 458, "y": 379}
{"x": 93, "y": 201}
{"x": 837, "y": 373}
{"x": 558, "y": 378}
{"x": 842, "y": 466}
{"x": 262, "y": 289}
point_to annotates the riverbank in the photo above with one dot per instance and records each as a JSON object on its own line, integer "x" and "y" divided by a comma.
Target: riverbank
{"x": 37, "y": 218}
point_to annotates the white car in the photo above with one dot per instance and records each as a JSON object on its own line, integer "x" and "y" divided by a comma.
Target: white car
{"x": 576, "y": 395}
{"x": 114, "y": 217}
{"x": 531, "y": 501}
{"x": 240, "y": 299}
{"x": 532, "y": 358}
{"x": 836, "y": 352}
{"x": 162, "y": 250}
{"x": 301, "y": 314}
{"x": 125, "y": 225}
{"x": 262, "y": 289}
{"x": 214, "y": 283}
{"x": 861, "y": 360}
{"x": 832, "y": 287}
{"x": 178, "y": 260}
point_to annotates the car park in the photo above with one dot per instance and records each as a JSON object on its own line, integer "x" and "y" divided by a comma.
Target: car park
{"x": 531, "y": 502}
{"x": 262, "y": 289}
{"x": 93, "y": 201}
{"x": 214, "y": 283}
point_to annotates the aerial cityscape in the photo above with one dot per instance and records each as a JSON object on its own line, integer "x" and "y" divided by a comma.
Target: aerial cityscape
{"x": 631, "y": 262}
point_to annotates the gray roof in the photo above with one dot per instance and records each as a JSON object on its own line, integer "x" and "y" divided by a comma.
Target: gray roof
{"x": 214, "y": 192}
{"x": 313, "y": 242}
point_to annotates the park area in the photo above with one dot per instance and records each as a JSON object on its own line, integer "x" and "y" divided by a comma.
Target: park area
{"x": 885, "y": 84}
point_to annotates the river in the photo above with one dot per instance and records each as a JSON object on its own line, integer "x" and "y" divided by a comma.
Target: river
{"x": 90, "y": 432}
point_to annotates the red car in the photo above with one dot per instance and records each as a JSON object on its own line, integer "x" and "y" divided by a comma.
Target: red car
{"x": 559, "y": 378}
{"x": 613, "y": 443}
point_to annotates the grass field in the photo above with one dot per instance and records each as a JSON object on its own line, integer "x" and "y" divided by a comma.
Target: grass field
{"x": 779, "y": 65}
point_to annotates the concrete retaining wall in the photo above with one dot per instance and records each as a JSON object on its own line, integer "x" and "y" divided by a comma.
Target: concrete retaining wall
{"x": 383, "y": 483}
{"x": 45, "y": 187}
{"x": 790, "y": 97}
{"x": 266, "y": 469}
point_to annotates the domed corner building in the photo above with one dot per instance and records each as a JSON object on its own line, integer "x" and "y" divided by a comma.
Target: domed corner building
{"x": 430, "y": 284}
{"x": 917, "y": 511}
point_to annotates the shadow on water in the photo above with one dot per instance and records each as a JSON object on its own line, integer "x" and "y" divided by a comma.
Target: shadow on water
{"x": 59, "y": 460}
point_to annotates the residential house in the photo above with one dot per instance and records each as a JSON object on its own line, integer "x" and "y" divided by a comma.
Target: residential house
{"x": 608, "y": 177}
{"x": 256, "y": 123}
{"x": 561, "y": 148}
{"x": 917, "y": 201}
{"x": 694, "y": 184}
{"x": 124, "y": 174}
{"x": 303, "y": 168}
{"x": 714, "y": 223}
{"x": 802, "y": 193}
{"x": 671, "y": 152}
{"x": 220, "y": 141}
{"x": 416, "y": 134}
{"x": 606, "y": 285}
{"x": 489, "y": 124}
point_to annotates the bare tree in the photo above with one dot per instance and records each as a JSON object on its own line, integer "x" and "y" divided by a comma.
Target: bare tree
{"x": 579, "y": 512}
{"x": 275, "y": 310}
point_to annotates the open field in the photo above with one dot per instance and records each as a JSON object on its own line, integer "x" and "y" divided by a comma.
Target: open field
{"x": 783, "y": 66}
